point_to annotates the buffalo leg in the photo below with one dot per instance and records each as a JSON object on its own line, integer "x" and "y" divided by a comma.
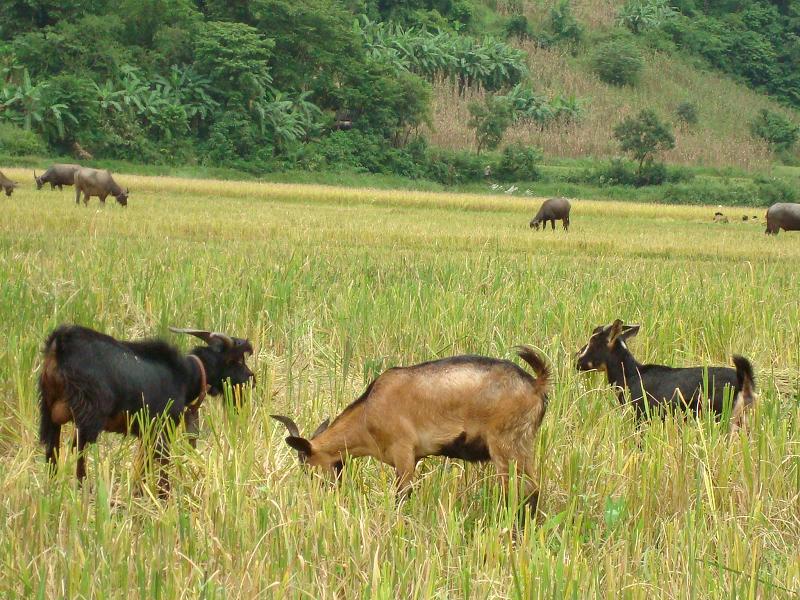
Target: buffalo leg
{"x": 86, "y": 198}
{"x": 566, "y": 223}
{"x": 553, "y": 224}
{"x": 77, "y": 195}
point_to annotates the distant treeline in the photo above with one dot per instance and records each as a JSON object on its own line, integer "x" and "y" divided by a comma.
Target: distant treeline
{"x": 263, "y": 84}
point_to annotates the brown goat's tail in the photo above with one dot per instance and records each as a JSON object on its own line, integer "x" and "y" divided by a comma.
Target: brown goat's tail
{"x": 746, "y": 396}
{"x": 537, "y": 363}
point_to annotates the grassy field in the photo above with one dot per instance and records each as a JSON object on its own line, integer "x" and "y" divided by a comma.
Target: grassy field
{"x": 333, "y": 285}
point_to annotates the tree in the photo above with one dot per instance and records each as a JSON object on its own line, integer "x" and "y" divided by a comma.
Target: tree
{"x": 234, "y": 58}
{"x": 490, "y": 121}
{"x": 778, "y": 131}
{"x": 643, "y": 136}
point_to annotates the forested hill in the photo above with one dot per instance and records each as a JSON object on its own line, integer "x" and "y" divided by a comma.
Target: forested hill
{"x": 369, "y": 84}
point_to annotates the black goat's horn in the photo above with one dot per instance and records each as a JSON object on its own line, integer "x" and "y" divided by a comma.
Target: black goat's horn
{"x": 206, "y": 336}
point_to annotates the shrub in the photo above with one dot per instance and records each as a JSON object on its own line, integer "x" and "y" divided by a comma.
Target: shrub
{"x": 760, "y": 192}
{"x": 618, "y": 62}
{"x": 519, "y": 163}
{"x": 563, "y": 24}
{"x": 772, "y": 189}
{"x": 518, "y": 26}
{"x": 452, "y": 167}
{"x": 687, "y": 113}
{"x": 15, "y": 141}
{"x": 779, "y": 132}
{"x": 643, "y": 136}
{"x": 619, "y": 172}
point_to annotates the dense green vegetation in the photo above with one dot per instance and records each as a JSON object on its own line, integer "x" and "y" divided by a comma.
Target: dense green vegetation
{"x": 330, "y": 85}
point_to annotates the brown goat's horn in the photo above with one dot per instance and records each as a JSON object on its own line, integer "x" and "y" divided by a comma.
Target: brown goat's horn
{"x": 290, "y": 425}
{"x": 206, "y": 336}
{"x": 322, "y": 427}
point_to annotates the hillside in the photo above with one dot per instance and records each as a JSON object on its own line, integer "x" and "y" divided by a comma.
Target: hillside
{"x": 720, "y": 138}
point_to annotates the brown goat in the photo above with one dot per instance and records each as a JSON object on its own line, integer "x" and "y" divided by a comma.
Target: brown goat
{"x": 469, "y": 407}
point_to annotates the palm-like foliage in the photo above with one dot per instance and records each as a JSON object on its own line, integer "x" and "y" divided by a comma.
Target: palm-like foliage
{"x": 528, "y": 106}
{"x": 24, "y": 104}
{"x": 489, "y": 63}
{"x": 286, "y": 119}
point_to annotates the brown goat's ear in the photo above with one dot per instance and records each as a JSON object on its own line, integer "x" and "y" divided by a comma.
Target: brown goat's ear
{"x": 614, "y": 330}
{"x": 630, "y": 331}
{"x": 302, "y": 445}
{"x": 322, "y": 427}
{"x": 291, "y": 426}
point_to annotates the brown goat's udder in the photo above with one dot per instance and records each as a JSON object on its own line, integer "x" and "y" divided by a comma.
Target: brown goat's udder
{"x": 474, "y": 450}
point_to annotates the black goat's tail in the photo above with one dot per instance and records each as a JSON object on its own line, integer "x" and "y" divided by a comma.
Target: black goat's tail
{"x": 746, "y": 391}
{"x": 537, "y": 363}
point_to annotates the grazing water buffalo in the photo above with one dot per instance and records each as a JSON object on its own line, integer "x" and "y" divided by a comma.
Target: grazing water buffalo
{"x": 552, "y": 210}
{"x": 7, "y": 185}
{"x": 57, "y": 175}
{"x": 94, "y": 182}
{"x": 783, "y": 215}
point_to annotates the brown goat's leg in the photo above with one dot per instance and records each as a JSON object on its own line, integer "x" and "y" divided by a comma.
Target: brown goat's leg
{"x": 525, "y": 479}
{"x": 531, "y": 489}
{"x": 402, "y": 458}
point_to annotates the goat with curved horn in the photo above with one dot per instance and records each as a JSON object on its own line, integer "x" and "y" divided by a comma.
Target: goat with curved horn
{"x": 207, "y": 336}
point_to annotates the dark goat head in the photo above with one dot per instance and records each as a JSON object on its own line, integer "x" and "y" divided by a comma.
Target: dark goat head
{"x": 603, "y": 344}
{"x": 224, "y": 358}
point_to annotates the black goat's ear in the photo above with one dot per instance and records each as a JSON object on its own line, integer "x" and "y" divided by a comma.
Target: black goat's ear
{"x": 614, "y": 331}
{"x": 630, "y": 331}
{"x": 302, "y": 445}
{"x": 239, "y": 349}
{"x": 322, "y": 427}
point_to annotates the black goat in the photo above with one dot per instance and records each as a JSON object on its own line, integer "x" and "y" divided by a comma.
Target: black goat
{"x": 653, "y": 387}
{"x": 104, "y": 384}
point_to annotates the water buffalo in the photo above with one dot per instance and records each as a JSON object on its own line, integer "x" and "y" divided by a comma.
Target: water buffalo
{"x": 552, "y": 210}
{"x": 7, "y": 185}
{"x": 783, "y": 215}
{"x": 94, "y": 182}
{"x": 58, "y": 175}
